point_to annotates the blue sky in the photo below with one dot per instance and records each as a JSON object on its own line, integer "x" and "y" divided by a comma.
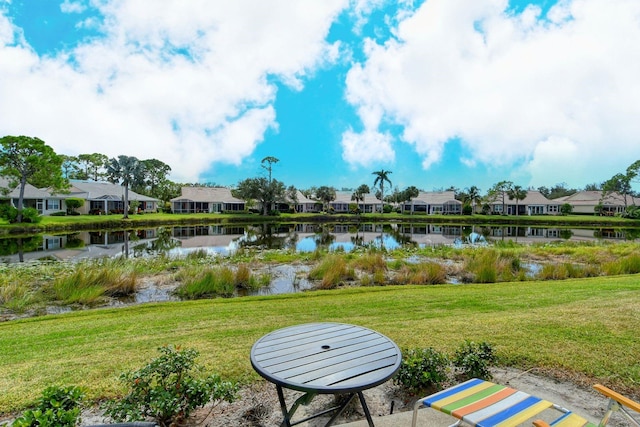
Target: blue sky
{"x": 440, "y": 92}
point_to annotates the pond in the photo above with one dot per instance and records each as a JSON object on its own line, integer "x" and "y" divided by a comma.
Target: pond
{"x": 227, "y": 239}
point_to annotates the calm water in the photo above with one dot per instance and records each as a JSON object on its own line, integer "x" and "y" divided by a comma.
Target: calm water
{"x": 223, "y": 240}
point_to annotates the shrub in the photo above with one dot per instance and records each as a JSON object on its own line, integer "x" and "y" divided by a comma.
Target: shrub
{"x": 473, "y": 359}
{"x": 31, "y": 215}
{"x": 422, "y": 369}
{"x": 59, "y": 213}
{"x": 167, "y": 391}
{"x": 8, "y": 212}
{"x": 58, "y": 407}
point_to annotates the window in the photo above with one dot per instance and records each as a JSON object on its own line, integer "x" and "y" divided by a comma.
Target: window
{"x": 53, "y": 205}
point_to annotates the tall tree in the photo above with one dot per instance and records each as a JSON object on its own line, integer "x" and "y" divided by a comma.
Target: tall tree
{"x": 619, "y": 183}
{"x": 499, "y": 192}
{"x": 23, "y": 159}
{"x": 326, "y": 194}
{"x": 358, "y": 195}
{"x": 517, "y": 193}
{"x": 382, "y": 176}
{"x": 292, "y": 195}
{"x": 69, "y": 166}
{"x": 92, "y": 166}
{"x": 409, "y": 194}
{"x": 268, "y": 162}
{"x": 473, "y": 197}
{"x": 125, "y": 170}
{"x": 260, "y": 189}
{"x": 154, "y": 174}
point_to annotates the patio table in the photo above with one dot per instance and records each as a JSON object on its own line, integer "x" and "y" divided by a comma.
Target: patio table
{"x": 325, "y": 358}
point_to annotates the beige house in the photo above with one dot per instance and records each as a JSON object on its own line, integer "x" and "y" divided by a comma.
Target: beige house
{"x": 103, "y": 197}
{"x": 343, "y": 199}
{"x": 206, "y": 200}
{"x": 535, "y": 203}
{"x": 434, "y": 202}
{"x": 42, "y": 200}
{"x": 591, "y": 202}
{"x": 106, "y": 197}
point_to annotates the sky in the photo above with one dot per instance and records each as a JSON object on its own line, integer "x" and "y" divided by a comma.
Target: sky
{"x": 439, "y": 92}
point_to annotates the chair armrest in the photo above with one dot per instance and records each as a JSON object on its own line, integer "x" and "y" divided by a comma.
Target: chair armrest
{"x": 541, "y": 423}
{"x": 625, "y": 401}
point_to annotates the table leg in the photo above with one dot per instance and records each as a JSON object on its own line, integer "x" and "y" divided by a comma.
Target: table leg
{"x": 286, "y": 422}
{"x": 365, "y": 408}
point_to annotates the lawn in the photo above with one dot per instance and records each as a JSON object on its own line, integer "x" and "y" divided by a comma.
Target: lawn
{"x": 585, "y": 328}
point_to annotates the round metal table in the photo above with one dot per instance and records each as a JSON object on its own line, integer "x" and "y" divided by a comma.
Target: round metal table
{"x": 325, "y": 358}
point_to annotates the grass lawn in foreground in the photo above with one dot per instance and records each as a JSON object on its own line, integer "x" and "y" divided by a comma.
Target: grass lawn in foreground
{"x": 587, "y": 327}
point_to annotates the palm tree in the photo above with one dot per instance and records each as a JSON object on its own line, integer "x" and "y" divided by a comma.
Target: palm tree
{"x": 125, "y": 170}
{"x": 473, "y": 197}
{"x": 358, "y": 195}
{"x": 381, "y": 176}
{"x": 518, "y": 193}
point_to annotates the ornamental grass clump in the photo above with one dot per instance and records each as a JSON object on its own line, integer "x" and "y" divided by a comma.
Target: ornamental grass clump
{"x": 167, "y": 390}
{"x": 89, "y": 286}
{"x": 332, "y": 271}
{"x": 424, "y": 273}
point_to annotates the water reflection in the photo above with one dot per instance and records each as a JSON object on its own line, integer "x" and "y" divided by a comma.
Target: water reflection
{"x": 227, "y": 239}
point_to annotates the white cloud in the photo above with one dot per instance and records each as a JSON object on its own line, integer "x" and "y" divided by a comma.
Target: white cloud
{"x": 70, "y": 6}
{"x": 367, "y": 148}
{"x": 511, "y": 86}
{"x": 184, "y": 82}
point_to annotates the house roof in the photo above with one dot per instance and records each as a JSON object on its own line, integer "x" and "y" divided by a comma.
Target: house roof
{"x": 436, "y": 198}
{"x": 345, "y": 197}
{"x": 30, "y": 192}
{"x": 533, "y": 197}
{"x": 592, "y": 198}
{"x": 207, "y": 194}
{"x": 95, "y": 190}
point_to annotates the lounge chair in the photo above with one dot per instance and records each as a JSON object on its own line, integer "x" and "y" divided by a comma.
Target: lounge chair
{"x": 485, "y": 404}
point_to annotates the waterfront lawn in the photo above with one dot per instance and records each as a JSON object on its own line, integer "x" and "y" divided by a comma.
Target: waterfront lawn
{"x": 585, "y": 328}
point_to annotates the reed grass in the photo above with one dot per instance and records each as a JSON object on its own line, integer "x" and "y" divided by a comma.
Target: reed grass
{"x": 424, "y": 273}
{"x": 207, "y": 282}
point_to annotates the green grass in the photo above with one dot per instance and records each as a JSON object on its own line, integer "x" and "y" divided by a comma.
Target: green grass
{"x": 587, "y": 328}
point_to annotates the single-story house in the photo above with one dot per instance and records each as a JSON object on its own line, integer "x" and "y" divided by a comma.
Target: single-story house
{"x": 99, "y": 196}
{"x": 305, "y": 204}
{"x": 535, "y": 203}
{"x": 206, "y": 200}
{"x": 590, "y": 202}
{"x": 45, "y": 202}
{"x": 434, "y": 202}
{"x": 343, "y": 200}
{"x": 106, "y": 197}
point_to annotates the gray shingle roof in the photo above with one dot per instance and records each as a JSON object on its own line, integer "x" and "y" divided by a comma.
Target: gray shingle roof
{"x": 207, "y": 194}
{"x": 94, "y": 190}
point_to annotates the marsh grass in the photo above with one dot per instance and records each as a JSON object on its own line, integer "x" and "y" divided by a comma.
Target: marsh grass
{"x": 88, "y": 286}
{"x": 424, "y": 273}
{"x": 370, "y": 262}
{"x": 491, "y": 265}
{"x": 222, "y": 281}
{"x": 629, "y": 264}
{"x": 332, "y": 271}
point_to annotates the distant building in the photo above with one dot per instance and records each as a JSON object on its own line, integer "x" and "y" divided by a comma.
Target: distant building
{"x": 592, "y": 202}
{"x": 206, "y": 200}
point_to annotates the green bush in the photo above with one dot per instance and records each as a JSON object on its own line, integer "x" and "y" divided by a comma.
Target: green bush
{"x": 8, "y": 212}
{"x": 167, "y": 391}
{"x": 473, "y": 359}
{"x": 58, "y": 407}
{"x": 59, "y": 213}
{"x": 31, "y": 215}
{"x": 422, "y": 369}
